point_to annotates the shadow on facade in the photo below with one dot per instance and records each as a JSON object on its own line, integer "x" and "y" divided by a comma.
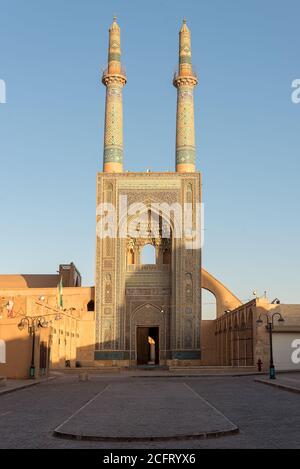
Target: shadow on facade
{"x": 17, "y": 354}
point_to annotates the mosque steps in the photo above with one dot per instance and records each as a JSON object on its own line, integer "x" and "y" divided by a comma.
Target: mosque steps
{"x": 159, "y": 371}
{"x": 214, "y": 369}
{"x": 87, "y": 369}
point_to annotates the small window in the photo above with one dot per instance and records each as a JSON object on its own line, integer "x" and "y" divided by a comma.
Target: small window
{"x": 148, "y": 254}
{"x": 91, "y": 305}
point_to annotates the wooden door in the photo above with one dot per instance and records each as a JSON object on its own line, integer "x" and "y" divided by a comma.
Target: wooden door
{"x": 142, "y": 345}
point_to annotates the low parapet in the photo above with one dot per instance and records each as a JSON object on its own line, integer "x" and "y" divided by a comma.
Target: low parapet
{"x": 28, "y": 281}
{"x": 67, "y": 272}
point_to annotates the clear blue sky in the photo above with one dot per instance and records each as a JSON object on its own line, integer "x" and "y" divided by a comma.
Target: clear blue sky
{"x": 51, "y": 129}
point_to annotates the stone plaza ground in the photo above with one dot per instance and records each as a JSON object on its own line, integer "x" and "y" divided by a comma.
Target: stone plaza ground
{"x": 122, "y": 405}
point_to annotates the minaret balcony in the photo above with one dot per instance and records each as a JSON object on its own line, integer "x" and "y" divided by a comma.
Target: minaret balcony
{"x": 189, "y": 80}
{"x": 119, "y": 77}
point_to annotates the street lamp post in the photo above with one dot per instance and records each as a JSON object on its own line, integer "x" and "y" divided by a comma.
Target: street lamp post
{"x": 270, "y": 327}
{"x": 33, "y": 323}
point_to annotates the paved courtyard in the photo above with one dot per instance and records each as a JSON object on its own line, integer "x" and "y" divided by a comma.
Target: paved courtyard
{"x": 267, "y": 417}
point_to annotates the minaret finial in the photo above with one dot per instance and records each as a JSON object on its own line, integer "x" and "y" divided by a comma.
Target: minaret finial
{"x": 184, "y": 27}
{"x": 114, "y": 79}
{"x": 185, "y": 81}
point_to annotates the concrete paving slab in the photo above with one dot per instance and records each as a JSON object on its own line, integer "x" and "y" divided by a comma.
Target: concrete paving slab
{"x": 161, "y": 372}
{"x": 18, "y": 384}
{"x": 289, "y": 382}
{"x": 149, "y": 410}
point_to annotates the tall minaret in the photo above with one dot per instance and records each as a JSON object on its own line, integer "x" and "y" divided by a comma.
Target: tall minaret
{"x": 184, "y": 81}
{"x": 114, "y": 79}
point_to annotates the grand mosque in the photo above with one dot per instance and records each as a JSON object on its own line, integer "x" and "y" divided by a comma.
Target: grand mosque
{"x": 145, "y": 309}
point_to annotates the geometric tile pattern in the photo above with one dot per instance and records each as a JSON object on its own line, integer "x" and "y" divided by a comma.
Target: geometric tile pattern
{"x": 185, "y": 81}
{"x": 114, "y": 79}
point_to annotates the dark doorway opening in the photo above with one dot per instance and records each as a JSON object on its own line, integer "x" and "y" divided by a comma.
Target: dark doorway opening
{"x": 148, "y": 345}
{"x": 91, "y": 305}
{"x": 43, "y": 358}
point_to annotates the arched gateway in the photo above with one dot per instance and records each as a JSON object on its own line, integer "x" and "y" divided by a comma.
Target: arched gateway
{"x": 149, "y": 330}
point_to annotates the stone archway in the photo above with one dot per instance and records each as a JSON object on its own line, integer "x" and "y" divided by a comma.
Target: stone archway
{"x": 148, "y": 316}
{"x": 209, "y": 305}
{"x": 225, "y": 299}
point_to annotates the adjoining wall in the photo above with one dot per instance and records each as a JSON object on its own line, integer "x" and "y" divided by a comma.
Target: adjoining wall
{"x": 18, "y": 351}
{"x": 241, "y": 341}
{"x": 86, "y": 343}
{"x": 70, "y": 329}
{"x": 284, "y": 334}
{"x": 235, "y": 336}
{"x": 209, "y": 343}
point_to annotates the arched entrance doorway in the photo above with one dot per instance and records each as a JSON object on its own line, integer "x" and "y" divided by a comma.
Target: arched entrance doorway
{"x": 147, "y": 345}
{"x": 148, "y": 335}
